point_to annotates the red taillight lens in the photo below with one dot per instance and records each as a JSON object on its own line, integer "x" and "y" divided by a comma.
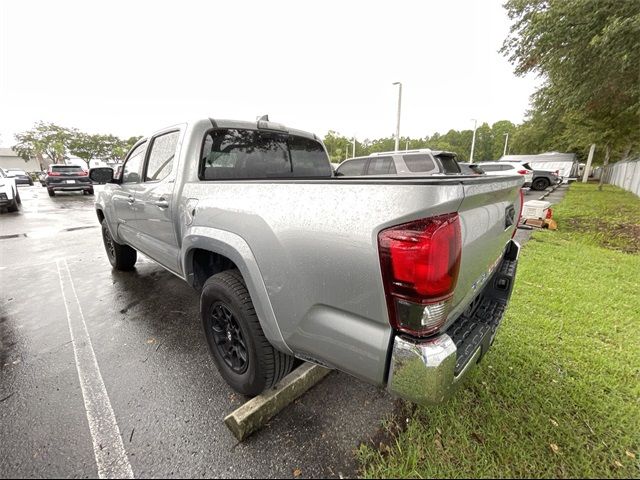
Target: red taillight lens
{"x": 420, "y": 262}
{"x": 549, "y": 213}
{"x": 53, "y": 174}
{"x": 523, "y": 172}
{"x": 83, "y": 173}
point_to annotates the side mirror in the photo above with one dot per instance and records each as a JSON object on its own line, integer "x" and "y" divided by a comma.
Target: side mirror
{"x": 101, "y": 175}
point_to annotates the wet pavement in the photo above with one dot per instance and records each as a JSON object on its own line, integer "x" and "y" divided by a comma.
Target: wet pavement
{"x": 166, "y": 398}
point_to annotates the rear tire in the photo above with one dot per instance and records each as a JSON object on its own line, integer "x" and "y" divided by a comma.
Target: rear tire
{"x": 121, "y": 257}
{"x": 90, "y": 192}
{"x": 243, "y": 355}
{"x": 540, "y": 184}
{"x": 51, "y": 192}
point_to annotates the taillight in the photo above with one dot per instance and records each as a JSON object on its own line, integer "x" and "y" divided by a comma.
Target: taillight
{"x": 83, "y": 173}
{"x": 54, "y": 174}
{"x": 523, "y": 172}
{"x": 420, "y": 262}
{"x": 519, "y": 213}
{"x": 549, "y": 214}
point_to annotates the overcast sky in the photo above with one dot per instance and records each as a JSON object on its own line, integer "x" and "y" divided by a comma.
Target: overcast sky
{"x": 130, "y": 67}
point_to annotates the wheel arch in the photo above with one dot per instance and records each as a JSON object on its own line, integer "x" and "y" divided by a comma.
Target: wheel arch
{"x": 207, "y": 251}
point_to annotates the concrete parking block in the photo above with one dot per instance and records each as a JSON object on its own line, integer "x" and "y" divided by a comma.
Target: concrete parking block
{"x": 254, "y": 414}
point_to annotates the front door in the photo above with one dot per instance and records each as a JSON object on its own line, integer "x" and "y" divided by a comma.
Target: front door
{"x": 124, "y": 197}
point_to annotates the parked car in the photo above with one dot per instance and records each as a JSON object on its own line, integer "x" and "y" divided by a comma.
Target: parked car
{"x": 66, "y": 178}
{"x": 406, "y": 163}
{"x": 543, "y": 179}
{"x": 9, "y": 195}
{"x": 509, "y": 168}
{"x": 21, "y": 177}
{"x": 398, "y": 281}
{"x": 471, "y": 169}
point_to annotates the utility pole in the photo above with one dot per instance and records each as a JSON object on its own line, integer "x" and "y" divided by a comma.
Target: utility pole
{"x": 407, "y": 147}
{"x": 353, "y": 153}
{"x": 347, "y": 154}
{"x": 506, "y": 140}
{"x": 473, "y": 140}
{"x": 398, "y": 119}
{"x": 585, "y": 175}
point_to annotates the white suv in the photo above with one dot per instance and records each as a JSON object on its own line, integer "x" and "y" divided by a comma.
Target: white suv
{"x": 509, "y": 168}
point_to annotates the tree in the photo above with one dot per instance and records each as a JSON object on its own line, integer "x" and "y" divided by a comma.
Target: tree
{"x": 588, "y": 53}
{"x": 44, "y": 139}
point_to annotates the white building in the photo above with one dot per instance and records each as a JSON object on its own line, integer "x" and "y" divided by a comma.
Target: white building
{"x": 10, "y": 159}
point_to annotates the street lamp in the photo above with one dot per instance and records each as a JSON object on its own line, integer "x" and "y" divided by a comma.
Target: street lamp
{"x": 353, "y": 153}
{"x": 473, "y": 140}
{"x": 506, "y": 140}
{"x": 398, "y": 120}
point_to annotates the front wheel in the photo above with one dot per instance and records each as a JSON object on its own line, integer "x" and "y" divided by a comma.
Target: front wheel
{"x": 121, "y": 257}
{"x": 13, "y": 206}
{"x": 243, "y": 355}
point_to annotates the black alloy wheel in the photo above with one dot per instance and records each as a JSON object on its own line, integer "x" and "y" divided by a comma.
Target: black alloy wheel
{"x": 228, "y": 338}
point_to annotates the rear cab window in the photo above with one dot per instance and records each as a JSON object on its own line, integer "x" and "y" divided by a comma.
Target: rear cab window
{"x": 256, "y": 154}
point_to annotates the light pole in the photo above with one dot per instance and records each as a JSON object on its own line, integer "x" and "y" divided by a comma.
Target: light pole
{"x": 506, "y": 140}
{"x": 353, "y": 153}
{"x": 347, "y": 153}
{"x": 473, "y": 140}
{"x": 398, "y": 120}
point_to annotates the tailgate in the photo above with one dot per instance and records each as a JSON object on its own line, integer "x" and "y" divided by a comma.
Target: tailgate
{"x": 488, "y": 217}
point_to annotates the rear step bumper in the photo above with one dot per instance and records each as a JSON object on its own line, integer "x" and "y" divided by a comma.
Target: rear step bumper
{"x": 428, "y": 371}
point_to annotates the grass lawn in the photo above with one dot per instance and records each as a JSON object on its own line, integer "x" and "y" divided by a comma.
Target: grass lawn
{"x": 558, "y": 395}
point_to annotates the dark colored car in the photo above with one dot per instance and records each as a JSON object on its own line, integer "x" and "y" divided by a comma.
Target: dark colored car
{"x": 471, "y": 169}
{"x": 20, "y": 176}
{"x": 66, "y": 178}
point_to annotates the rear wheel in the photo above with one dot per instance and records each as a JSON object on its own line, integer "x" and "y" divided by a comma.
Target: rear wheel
{"x": 51, "y": 192}
{"x": 540, "y": 184}
{"x": 240, "y": 350}
{"x": 90, "y": 191}
{"x": 121, "y": 257}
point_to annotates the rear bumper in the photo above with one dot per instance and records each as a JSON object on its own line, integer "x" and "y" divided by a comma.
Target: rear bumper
{"x": 429, "y": 371}
{"x": 84, "y": 184}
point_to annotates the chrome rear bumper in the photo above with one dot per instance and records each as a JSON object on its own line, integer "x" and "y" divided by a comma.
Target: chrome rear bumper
{"x": 428, "y": 371}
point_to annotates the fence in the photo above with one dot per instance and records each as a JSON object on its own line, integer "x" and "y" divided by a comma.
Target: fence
{"x": 624, "y": 175}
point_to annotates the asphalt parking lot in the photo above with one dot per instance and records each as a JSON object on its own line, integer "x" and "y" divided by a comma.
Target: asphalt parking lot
{"x": 163, "y": 394}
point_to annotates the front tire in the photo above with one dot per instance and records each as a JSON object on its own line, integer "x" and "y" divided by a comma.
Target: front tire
{"x": 121, "y": 257}
{"x": 13, "y": 206}
{"x": 243, "y": 355}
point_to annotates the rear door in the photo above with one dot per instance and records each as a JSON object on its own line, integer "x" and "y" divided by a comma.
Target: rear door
{"x": 155, "y": 201}
{"x": 124, "y": 196}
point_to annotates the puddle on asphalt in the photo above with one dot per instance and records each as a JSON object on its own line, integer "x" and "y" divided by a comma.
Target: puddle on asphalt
{"x": 41, "y": 233}
{"x": 15, "y": 235}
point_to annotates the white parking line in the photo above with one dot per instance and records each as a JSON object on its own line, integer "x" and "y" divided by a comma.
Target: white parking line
{"x": 111, "y": 458}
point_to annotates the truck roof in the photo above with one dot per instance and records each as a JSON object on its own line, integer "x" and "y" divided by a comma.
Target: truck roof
{"x": 261, "y": 125}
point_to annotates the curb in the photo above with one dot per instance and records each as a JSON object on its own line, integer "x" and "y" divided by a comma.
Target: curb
{"x": 254, "y": 414}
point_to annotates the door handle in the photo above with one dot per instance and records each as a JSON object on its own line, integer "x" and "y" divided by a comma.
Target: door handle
{"x": 162, "y": 203}
{"x": 130, "y": 199}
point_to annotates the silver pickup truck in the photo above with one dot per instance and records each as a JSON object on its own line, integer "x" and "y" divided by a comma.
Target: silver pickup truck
{"x": 398, "y": 281}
